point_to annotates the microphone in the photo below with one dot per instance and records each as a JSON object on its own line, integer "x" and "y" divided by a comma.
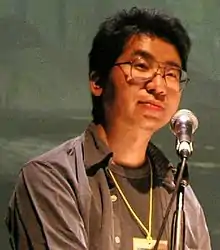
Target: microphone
{"x": 183, "y": 125}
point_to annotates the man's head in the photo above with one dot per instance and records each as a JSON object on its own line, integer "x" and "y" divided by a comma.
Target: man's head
{"x": 134, "y": 45}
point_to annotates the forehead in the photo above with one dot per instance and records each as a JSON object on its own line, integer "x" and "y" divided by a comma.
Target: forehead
{"x": 161, "y": 50}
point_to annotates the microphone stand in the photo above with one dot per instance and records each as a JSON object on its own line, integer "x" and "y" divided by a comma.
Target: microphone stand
{"x": 183, "y": 125}
{"x": 178, "y": 222}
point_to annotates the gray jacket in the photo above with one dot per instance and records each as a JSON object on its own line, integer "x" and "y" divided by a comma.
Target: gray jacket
{"x": 62, "y": 200}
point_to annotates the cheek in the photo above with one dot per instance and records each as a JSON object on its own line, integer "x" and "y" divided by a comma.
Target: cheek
{"x": 123, "y": 95}
{"x": 124, "y": 101}
{"x": 119, "y": 101}
{"x": 173, "y": 105}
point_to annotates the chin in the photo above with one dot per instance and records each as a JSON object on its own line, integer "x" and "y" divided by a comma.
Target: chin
{"x": 149, "y": 127}
{"x": 152, "y": 124}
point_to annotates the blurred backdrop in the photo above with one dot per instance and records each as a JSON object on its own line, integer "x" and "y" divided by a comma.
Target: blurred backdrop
{"x": 44, "y": 97}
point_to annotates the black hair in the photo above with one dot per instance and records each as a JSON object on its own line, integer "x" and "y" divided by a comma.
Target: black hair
{"x": 114, "y": 33}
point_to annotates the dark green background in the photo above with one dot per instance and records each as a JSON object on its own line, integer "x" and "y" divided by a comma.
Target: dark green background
{"x": 44, "y": 97}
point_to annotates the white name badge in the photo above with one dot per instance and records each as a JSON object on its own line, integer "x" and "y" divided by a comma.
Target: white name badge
{"x": 145, "y": 244}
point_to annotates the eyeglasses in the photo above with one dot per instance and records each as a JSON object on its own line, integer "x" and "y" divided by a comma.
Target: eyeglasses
{"x": 143, "y": 71}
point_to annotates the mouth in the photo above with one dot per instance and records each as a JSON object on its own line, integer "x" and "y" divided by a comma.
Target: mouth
{"x": 152, "y": 105}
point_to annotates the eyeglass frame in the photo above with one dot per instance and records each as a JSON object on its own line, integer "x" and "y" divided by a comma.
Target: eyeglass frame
{"x": 149, "y": 79}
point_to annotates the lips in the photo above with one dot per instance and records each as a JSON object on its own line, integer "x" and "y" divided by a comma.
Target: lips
{"x": 152, "y": 105}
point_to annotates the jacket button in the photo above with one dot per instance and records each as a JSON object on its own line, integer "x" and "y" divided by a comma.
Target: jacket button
{"x": 114, "y": 198}
{"x": 117, "y": 239}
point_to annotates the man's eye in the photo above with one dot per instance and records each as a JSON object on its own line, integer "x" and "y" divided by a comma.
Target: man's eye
{"x": 141, "y": 66}
{"x": 174, "y": 73}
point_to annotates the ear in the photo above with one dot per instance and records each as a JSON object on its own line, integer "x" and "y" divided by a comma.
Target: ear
{"x": 95, "y": 88}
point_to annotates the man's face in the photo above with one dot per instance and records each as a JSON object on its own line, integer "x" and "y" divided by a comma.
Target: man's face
{"x": 150, "y": 106}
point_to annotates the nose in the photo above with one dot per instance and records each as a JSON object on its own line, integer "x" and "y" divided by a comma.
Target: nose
{"x": 157, "y": 85}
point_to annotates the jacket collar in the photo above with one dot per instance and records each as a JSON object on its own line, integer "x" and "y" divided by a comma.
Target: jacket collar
{"x": 97, "y": 155}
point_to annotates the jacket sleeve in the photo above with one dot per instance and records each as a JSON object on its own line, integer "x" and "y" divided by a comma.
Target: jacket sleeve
{"x": 197, "y": 234}
{"x": 203, "y": 233}
{"x": 43, "y": 213}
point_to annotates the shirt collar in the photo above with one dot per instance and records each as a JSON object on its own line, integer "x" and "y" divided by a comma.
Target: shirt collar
{"x": 97, "y": 155}
{"x": 95, "y": 150}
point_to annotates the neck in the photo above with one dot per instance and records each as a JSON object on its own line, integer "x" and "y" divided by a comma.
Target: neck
{"x": 128, "y": 144}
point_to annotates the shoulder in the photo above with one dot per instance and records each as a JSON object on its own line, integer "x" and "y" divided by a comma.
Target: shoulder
{"x": 61, "y": 162}
{"x": 192, "y": 203}
{"x": 63, "y": 150}
{"x": 191, "y": 198}
{"x": 197, "y": 234}
{"x": 193, "y": 206}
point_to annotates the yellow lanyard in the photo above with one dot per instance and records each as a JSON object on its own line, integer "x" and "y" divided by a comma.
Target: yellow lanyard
{"x": 147, "y": 232}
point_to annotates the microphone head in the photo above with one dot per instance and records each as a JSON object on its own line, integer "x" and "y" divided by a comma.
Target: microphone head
{"x": 184, "y": 116}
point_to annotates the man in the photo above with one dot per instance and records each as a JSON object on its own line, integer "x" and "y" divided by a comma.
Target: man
{"x": 109, "y": 188}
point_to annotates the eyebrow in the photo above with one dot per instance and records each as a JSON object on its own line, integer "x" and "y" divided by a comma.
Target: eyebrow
{"x": 146, "y": 55}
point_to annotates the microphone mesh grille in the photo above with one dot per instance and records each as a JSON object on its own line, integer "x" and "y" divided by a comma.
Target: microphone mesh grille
{"x": 188, "y": 115}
